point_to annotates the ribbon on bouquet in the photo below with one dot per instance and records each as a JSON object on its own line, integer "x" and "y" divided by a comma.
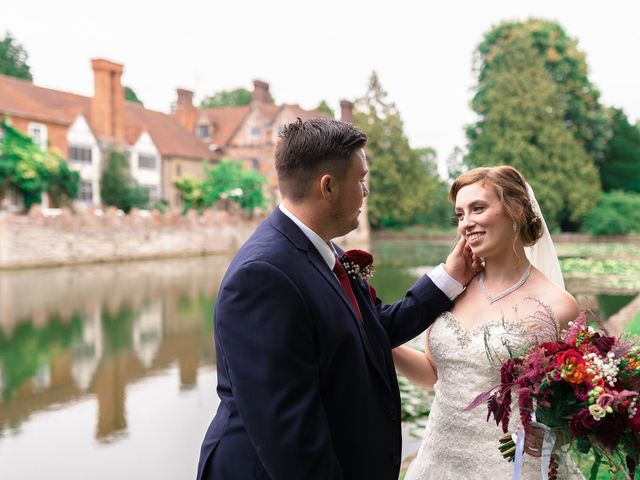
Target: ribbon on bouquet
{"x": 548, "y": 442}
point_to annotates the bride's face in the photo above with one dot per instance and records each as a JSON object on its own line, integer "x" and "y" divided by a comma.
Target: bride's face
{"x": 482, "y": 221}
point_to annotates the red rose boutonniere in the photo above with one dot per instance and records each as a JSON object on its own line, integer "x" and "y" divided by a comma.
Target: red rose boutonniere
{"x": 358, "y": 263}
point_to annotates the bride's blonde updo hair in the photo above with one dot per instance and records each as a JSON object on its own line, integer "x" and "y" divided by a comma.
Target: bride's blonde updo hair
{"x": 511, "y": 188}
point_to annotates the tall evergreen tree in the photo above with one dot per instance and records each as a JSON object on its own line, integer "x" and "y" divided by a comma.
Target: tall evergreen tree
{"x": 399, "y": 183}
{"x": 522, "y": 124}
{"x": 621, "y": 167}
{"x": 13, "y": 59}
{"x": 566, "y": 64}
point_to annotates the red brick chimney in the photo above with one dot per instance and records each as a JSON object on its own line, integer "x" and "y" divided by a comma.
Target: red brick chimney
{"x": 107, "y": 104}
{"x": 185, "y": 112}
{"x": 260, "y": 92}
{"x": 346, "y": 111}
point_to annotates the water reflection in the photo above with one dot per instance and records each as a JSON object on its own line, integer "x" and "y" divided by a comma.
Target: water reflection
{"x": 91, "y": 331}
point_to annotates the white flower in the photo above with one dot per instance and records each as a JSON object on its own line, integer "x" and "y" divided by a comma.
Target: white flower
{"x": 597, "y": 412}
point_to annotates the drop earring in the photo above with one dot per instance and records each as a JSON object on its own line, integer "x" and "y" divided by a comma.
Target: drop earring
{"x": 515, "y": 227}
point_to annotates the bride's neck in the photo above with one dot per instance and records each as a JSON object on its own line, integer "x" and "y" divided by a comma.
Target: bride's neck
{"x": 506, "y": 268}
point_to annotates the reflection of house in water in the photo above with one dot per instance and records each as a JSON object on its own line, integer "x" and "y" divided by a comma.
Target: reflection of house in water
{"x": 42, "y": 378}
{"x": 86, "y": 352}
{"x": 107, "y": 327}
{"x": 147, "y": 333}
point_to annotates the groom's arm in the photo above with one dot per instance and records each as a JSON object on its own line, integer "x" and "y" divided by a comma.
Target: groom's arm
{"x": 407, "y": 318}
{"x": 266, "y": 337}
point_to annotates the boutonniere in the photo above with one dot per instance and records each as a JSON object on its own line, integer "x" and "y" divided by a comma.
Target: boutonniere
{"x": 358, "y": 264}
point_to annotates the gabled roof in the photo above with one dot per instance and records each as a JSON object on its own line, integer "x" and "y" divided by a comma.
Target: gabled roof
{"x": 168, "y": 135}
{"x": 21, "y": 98}
{"x": 226, "y": 121}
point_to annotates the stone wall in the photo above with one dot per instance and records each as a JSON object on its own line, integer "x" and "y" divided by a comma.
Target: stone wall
{"x": 59, "y": 237}
{"x": 63, "y": 238}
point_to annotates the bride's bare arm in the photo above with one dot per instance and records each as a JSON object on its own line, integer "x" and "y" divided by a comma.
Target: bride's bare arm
{"x": 416, "y": 366}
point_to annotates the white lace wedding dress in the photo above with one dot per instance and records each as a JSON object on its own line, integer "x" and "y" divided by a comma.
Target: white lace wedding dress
{"x": 461, "y": 445}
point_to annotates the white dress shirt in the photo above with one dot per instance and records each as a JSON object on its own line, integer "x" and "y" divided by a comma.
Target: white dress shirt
{"x": 445, "y": 282}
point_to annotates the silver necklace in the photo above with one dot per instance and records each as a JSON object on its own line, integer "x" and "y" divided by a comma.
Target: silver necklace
{"x": 504, "y": 293}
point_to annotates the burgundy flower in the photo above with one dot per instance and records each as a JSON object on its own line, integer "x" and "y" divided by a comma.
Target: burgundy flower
{"x": 582, "y": 423}
{"x": 358, "y": 263}
{"x": 603, "y": 344}
{"x": 359, "y": 257}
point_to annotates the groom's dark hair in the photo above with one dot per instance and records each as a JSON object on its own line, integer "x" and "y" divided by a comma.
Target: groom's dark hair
{"x": 307, "y": 148}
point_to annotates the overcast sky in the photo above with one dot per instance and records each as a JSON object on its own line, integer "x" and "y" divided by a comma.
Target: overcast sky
{"x": 310, "y": 51}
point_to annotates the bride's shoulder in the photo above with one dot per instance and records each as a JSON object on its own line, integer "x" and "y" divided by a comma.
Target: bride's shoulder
{"x": 562, "y": 303}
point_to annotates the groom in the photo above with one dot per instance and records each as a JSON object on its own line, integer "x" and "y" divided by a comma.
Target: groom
{"x": 305, "y": 374}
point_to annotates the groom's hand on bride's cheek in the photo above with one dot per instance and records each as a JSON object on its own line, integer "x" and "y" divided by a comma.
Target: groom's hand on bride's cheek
{"x": 461, "y": 263}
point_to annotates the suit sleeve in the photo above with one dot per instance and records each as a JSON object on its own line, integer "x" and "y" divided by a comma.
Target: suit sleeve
{"x": 267, "y": 340}
{"x": 407, "y": 318}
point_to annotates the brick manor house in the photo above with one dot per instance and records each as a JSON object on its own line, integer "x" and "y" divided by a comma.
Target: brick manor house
{"x": 161, "y": 147}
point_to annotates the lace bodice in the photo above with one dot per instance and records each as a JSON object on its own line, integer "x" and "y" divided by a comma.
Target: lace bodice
{"x": 463, "y": 445}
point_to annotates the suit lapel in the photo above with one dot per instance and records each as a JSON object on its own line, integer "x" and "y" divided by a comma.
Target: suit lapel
{"x": 285, "y": 225}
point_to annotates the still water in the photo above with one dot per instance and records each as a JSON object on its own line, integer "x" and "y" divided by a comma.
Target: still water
{"x": 108, "y": 371}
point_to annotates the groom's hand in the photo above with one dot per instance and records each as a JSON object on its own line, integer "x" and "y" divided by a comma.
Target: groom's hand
{"x": 461, "y": 263}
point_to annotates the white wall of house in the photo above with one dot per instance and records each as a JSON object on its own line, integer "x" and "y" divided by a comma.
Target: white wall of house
{"x": 146, "y": 165}
{"x": 85, "y": 157}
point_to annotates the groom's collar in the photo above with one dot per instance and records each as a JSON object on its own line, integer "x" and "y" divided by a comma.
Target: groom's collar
{"x": 327, "y": 251}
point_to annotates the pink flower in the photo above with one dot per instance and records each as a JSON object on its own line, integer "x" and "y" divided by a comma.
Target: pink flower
{"x": 605, "y": 400}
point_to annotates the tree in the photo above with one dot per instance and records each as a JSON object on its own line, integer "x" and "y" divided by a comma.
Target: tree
{"x": 130, "y": 96}
{"x": 522, "y": 123}
{"x": 566, "y": 65}
{"x": 13, "y": 59}
{"x": 31, "y": 172}
{"x": 228, "y": 180}
{"x": 621, "y": 167}
{"x": 399, "y": 184}
{"x": 227, "y": 98}
{"x": 325, "y": 108}
{"x": 118, "y": 188}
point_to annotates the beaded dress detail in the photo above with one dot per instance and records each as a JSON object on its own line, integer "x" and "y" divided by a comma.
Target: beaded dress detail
{"x": 461, "y": 445}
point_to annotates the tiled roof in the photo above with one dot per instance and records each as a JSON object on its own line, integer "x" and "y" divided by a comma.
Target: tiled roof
{"x": 168, "y": 135}
{"x": 225, "y": 121}
{"x": 24, "y": 99}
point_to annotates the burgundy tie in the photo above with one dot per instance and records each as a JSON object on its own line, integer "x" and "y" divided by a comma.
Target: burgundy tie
{"x": 343, "y": 278}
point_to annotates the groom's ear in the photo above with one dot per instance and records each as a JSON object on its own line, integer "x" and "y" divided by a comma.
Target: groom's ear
{"x": 328, "y": 187}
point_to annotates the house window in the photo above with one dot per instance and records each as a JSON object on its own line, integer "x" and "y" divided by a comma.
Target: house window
{"x": 178, "y": 170}
{"x": 281, "y": 128}
{"x": 255, "y": 132}
{"x": 86, "y": 192}
{"x": 147, "y": 161}
{"x": 255, "y": 164}
{"x": 203, "y": 131}
{"x": 80, "y": 154}
{"x": 38, "y": 134}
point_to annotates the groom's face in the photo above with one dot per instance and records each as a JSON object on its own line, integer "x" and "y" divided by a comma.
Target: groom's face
{"x": 352, "y": 191}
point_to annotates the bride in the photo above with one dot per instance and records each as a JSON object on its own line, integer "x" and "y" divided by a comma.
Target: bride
{"x": 500, "y": 308}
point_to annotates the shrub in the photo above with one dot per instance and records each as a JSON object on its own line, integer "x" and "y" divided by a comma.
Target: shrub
{"x": 617, "y": 212}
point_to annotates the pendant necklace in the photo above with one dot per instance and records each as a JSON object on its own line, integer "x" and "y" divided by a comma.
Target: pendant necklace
{"x": 511, "y": 289}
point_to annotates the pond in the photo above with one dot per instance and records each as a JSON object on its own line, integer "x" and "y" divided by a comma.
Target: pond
{"x": 108, "y": 370}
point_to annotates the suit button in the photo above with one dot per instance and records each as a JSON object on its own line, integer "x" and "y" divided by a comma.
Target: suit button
{"x": 395, "y": 460}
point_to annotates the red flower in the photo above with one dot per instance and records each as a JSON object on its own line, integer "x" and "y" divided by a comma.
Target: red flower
{"x": 573, "y": 366}
{"x": 358, "y": 263}
{"x": 551, "y": 348}
{"x": 359, "y": 257}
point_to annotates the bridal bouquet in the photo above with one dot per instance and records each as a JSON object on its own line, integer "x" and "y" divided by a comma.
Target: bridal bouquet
{"x": 584, "y": 387}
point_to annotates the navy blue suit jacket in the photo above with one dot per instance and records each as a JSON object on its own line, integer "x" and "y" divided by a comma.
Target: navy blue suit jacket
{"x": 307, "y": 390}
